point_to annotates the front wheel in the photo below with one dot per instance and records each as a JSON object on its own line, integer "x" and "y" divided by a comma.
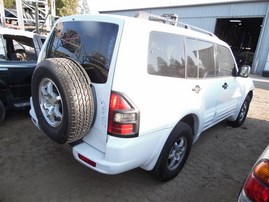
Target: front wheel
{"x": 242, "y": 113}
{"x": 174, "y": 153}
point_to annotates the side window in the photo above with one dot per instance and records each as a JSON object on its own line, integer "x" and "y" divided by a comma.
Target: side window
{"x": 166, "y": 56}
{"x": 19, "y": 48}
{"x": 206, "y": 59}
{"x": 225, "y": 62}
{"x": 24, "y": 51}
{"x": 200, "y": 59}
{"x": 192, "y": 58}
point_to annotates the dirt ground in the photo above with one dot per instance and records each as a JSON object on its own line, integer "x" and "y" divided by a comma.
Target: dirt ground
{"x": 33, "y": 168}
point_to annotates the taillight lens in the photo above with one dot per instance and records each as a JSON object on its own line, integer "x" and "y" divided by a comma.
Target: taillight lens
{"x": 123, "y": 116}
{"x": 257, "y": 184}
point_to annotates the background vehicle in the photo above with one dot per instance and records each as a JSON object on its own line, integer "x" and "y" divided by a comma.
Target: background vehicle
{"x": 18, "y": 56}
{"x": 125, "y": 99}
{"x": 256, "y": 186}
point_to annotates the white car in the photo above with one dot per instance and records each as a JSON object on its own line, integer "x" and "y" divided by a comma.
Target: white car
{"x": 129, "y": 92}
{"x": 256, "y": 186}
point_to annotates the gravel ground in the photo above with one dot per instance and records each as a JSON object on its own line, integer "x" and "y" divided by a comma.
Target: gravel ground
{"x": 33, "y": 168}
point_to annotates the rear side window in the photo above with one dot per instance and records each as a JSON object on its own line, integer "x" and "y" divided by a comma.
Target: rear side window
{"x": 192, "y": 58}
{"x": 166, "y": 55}
{"x": 206, "y": 59}
{"x": 225, "y": 62}
{"x": 89, "y": 43}
{"x": 200, "y": 59}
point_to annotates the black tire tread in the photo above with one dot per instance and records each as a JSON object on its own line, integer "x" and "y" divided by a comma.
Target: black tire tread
{"x": 237, "y": 123}
{"x": 160, "y": 169}
{"x": 2, "y": 112}
{"x": 79, "y": 96}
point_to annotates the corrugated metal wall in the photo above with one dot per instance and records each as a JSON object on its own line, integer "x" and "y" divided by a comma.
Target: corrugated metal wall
{"x": 206, "y": 16}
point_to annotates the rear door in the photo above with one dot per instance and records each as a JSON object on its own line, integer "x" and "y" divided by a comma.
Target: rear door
{"x": 92, "y": 41}
{"x": 17, "y": 63}
{"x": 201, "y": 69}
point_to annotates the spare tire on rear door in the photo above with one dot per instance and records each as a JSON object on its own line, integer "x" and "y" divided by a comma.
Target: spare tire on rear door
{"x": 63, "y": 99}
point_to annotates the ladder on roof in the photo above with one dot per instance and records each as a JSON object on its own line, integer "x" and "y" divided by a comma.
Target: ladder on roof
{"x": 171, "y": 19}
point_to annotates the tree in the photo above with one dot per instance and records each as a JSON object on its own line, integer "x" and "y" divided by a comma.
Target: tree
{"x": 9, "y": 3}
{"x": 66, "y": 7}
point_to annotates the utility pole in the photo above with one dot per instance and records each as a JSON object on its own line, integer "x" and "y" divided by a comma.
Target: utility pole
{"x": 20, "y": 14}
{"x": 2, "y": 13}
{"x": 53, "y": 12}
{"x": 36, "y": 17}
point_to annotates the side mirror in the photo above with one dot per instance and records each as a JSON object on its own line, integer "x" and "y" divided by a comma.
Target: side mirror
{"x": 244, "y": 71}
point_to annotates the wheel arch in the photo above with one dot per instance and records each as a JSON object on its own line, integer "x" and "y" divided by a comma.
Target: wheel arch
{"x": 250, "y": 93}
{"x": 190, "y": 119}
{"x": 193, "y": 121}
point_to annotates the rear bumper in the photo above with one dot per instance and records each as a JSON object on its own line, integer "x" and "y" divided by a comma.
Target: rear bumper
{"x": 123, "y": 154}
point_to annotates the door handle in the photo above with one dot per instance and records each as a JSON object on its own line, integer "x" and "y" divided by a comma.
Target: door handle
{"x": 225, "y": 85}
{"x": 197, "y": 89}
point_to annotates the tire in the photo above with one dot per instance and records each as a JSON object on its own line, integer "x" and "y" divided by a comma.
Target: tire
{"x": 63, "y": 99}
{"x": 2, "y": 112}
{"x": 174, "y": 153}
{"x": 242, "y": 114}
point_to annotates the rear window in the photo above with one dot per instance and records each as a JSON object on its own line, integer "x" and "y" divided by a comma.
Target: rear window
{"x": 89, "y": 43}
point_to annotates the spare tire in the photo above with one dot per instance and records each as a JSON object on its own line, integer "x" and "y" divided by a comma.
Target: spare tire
{"x": 63, "y": 99}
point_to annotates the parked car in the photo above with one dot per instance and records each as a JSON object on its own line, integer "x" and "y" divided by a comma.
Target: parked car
{"x": 256, "y": 186}
{"x": 123, "y": 98}
{"x": 18, "y": 57}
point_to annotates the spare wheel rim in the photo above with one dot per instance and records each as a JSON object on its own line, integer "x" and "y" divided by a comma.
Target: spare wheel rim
{"x": 50, "y": 102}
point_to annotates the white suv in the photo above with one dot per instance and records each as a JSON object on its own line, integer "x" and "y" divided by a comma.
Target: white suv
{"x": 129, "y": 92}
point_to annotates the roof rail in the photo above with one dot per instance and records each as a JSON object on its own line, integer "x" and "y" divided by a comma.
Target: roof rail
{"x": 171, "y": 19}
{"x": 187, "y": 26}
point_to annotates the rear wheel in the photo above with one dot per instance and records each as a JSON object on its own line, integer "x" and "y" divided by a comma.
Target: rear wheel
{"x": 63, "y": 99}
{"x": 175, "y": 153}
{"x": 2, "y": 112}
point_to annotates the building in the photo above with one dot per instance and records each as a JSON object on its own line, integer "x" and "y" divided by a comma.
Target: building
{"x": 243, "y": 24}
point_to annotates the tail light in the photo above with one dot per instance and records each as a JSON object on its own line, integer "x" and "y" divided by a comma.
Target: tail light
{"x": 257, "y": 184}
{"x": 123, "y": 117}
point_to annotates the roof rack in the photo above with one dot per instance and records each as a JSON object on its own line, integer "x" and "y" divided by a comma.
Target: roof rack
{"x": 171, "y": 19}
